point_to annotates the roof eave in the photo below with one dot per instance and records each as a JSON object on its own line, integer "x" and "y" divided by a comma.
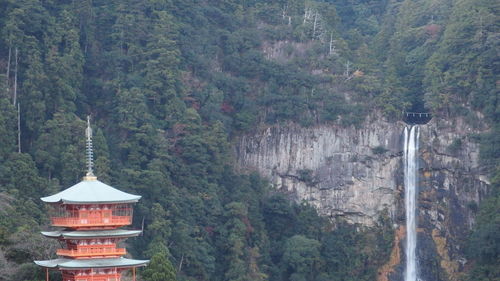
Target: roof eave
{"x": 51, "y": 234}
{"x": 44, "y": 199}
{"x": 63, "y": 201}
{"x": 56, "y": 264}
{"x": 46, "y": 264}
{"x": 132, "y": 233}
{"x": 106, "y": 266}
{"x": 100, "y": 202}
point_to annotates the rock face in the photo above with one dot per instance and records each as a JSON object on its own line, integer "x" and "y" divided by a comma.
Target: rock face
{"x": 356, "y": 173}
{"x": 334, "y": 168}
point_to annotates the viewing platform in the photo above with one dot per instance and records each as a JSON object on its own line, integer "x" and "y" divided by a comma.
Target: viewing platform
{"x": 416, "y": 118}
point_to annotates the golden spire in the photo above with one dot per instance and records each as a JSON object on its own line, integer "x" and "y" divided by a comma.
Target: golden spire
{"x": 89, "y": 154}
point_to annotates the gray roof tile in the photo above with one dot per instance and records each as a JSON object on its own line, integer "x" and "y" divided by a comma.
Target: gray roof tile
{"x": 91, "y": 233}
{"x": 91, "y": 263}
{"x": 91, "y": 191}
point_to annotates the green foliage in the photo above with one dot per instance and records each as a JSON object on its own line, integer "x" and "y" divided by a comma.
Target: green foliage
{"x": 60, "y": 140}
{"x": 379, "y": 150}
{"x": 301, "y": 258}
{"x": 484, "y": 245}
{"x": 7, "y": 128}
{"x": 19, "y": 176}
{"x": 344, "y": 262}
{"x": 306, "y": 175}
{"x": 490, "y": 151}
{"x": 461, "y": 69}
{"x": 168, "y": 83}
{"x": 159, "y": 269}
{"x": 455, "y": 146}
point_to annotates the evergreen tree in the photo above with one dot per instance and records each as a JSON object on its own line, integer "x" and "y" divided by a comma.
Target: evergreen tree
{"x": 159, "y": 268}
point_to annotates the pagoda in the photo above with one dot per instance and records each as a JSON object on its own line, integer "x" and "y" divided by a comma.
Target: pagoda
{"x": 89, "y": 216}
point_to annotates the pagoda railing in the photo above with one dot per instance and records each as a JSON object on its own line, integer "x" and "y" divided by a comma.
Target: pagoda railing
{"x": 88, "y": 222}
{"x": 95, "y": 210}
{"x": 92, "y": 250}
{"x": 107, "y": 277}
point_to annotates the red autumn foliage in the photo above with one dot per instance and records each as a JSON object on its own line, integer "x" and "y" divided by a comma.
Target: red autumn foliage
{"x": 178, "y": 129}
{"x": 226, "y": 107}
{"x": 209, "y": 229}
{"x": 432, "y": 30}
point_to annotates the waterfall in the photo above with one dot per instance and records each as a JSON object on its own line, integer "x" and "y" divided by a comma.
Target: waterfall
{"x": 410, "y": 177}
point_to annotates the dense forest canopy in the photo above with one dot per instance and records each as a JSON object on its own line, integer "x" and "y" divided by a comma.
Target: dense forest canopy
{"x": 170, "y": 83}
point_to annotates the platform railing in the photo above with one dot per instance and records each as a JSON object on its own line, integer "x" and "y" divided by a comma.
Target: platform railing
{"x": 104, "y": 276}
{"x": 93, "y": 250}
{"x": 88, "y": 222}
{"x": 417, "y": 114}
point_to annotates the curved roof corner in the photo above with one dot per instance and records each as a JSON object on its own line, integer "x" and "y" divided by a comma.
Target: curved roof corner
{"x": 91, "y": 191}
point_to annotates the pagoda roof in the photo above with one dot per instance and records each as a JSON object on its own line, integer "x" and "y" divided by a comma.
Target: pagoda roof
{"x": 91, "y": 191}
{"x": 114, "y": 233}
{"x": 91, "y": 263}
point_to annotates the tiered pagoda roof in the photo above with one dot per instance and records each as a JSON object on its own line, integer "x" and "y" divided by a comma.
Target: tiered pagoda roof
{"x": 90, "y": 214}
{"x": 66, "y": 264}
{"x": 81, "y": 234}
{"x": 91, "y": 192}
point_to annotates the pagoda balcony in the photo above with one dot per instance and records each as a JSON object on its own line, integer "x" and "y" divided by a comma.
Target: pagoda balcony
{"x": 92, "y": 251}
{"x": 91, "y": 216}
{"x": 96, "y": 277}
{"x": 76, "y": 222}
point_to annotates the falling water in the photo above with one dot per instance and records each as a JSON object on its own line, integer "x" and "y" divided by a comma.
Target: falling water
{"x": 410, "y": 174}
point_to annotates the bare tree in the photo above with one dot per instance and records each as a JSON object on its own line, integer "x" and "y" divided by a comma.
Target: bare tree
{"x": 7, "y": 74}
{"x": 180, "y": 263}
{"x": 14, "y": 99}
{"x": 34, "y": 244}
{"x": 315, "y": 24}
{"x": 332, "y": 45}
{"x": 18, "y": 128}
{"x": 308, "y": 13}
{"x": 347, "y": 71}
{"x": 284, "y": 12}
{"x": 7, "y": 268}
{"x": 347, "y": 68}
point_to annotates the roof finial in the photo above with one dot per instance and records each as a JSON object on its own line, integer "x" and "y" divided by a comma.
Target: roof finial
{"x": 89, "y": 154}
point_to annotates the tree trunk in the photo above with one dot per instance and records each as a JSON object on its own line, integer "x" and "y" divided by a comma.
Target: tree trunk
{"x": 14, "y": 99}
{"x": 314, "y": 25}
{"x": 180, "y": 263}
{"x": 7, "y": 74}
{"x": 18, "y": 128}
{"x": 347, "y": 71}
{"x": 332, "y": 46}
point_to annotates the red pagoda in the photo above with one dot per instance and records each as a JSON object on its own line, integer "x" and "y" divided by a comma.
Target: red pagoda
{"x": 89, "y": 215}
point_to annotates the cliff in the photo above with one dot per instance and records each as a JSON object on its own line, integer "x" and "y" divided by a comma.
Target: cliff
{"x": 356, "y": 173}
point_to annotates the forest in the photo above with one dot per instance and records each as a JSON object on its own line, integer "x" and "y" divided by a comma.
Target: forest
{"x": 169, "y": 86}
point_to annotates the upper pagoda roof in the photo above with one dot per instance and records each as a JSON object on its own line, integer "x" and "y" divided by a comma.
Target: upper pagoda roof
{"x": 91, "y": 191}
{"x": 91, "y": 263}
{"x": 113, "y": 233}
